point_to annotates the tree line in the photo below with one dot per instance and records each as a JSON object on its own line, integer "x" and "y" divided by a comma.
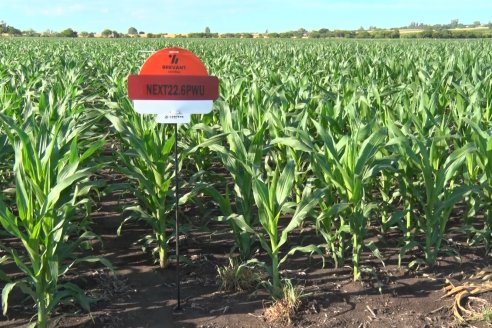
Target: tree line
{"x": 415, "y": 30}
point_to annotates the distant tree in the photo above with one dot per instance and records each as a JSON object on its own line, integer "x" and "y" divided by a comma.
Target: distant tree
{"x": 91, "y": 35}
{"x": 115, "y": 34}
{"x": 84, "y": 34}
{"x": 141, "y": 33}
{"x": 207, "y": 30}
{"x": 151, "y": 35}
{"x": 301, "y": 32}
{"x": 68, "y": 33}
{"x": 454, "y": 23}
{"x": 106, "y": 33}
{"x": 48, "y": 33}
{"x": 363, "y": 35}
{"x": 30, "y": 32}
{"x": 395, "y": 33}
{"x": 13, "y": 31}
{"x": 442, "y": 34}
{"x": 489, "y": 25}
{"x": 132, "y": 31}
{"x": 340, "y": 33}
{"x": 287, "y": 35}
{"x": 427, "y": 33}
{"x": 3, "y": 27}
{"x": 247, "y": 35}
{"x": 476, "y": 23}
{"x": 203, "y": 35}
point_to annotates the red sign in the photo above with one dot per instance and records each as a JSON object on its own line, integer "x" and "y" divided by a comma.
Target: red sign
{"x": 173, "y": 61}
{"x": 173, "y": 74}
{"x": 173, "y": 83}
{"x": 168, "y": 87}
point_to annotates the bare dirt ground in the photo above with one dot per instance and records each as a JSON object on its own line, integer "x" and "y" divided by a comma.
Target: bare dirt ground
{"x": 140, "y": 294}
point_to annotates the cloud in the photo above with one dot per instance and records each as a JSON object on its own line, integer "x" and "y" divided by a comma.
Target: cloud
{"x": 62, "y": 10}
{"x": 424, "y": 5}
{"x": 358, "y": 5}
{"x": 141, "y": 14}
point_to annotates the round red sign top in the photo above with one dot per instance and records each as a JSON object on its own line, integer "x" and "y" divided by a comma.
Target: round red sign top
{"x": 173, "y": 61}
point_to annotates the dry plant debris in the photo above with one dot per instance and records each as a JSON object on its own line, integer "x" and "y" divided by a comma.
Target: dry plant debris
{"x": 466, "y": 305}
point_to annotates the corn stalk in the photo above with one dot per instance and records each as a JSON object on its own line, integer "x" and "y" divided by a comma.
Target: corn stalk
{"x": 437, "y": 195}
{"x": 146, "y": 159}
{"x": 49, "y": 175}
{"x": 347, "y": 168}
{"x": 272, "y": 193}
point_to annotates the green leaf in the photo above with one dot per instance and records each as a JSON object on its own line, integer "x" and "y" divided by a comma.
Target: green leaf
{"x": 292, "y": 142}
{"x": 368, "y": 149}
{"x": 455, "y": 196}
{"x": 285, "y": 183}
{"x": 260, "y": 193}
{"x": 94, "y": 258}
{"x": 92, "y": 150}
{"x": 375, "y": 251}
{"x": 327, "y": 141}
{"x": 212, "y": 141}
{"x": 9, "y": 222}
{"x": 5, "y": 295}
{"x": 395, "y": 217}
{"x": 456, "y": 159}
{"x": 303, "y": 249}
{"x": 302, "y": 211}
{"x": 239, "y": 221}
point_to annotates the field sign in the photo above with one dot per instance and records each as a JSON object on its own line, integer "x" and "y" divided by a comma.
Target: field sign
{"x": 173, "y": 83}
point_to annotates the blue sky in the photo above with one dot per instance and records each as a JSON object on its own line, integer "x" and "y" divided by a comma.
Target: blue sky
{"x": 182, "y": 16}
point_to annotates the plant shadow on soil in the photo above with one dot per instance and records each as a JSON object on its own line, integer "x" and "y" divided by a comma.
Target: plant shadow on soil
{"x": 140, "y": 294}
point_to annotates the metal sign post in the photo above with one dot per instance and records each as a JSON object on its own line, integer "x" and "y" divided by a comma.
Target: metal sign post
{"x": 173, "y": 84}
{"x": 176, "y": 181}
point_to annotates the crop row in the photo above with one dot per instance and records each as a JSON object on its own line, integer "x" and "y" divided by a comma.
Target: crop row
{"x": 350, "y": 138}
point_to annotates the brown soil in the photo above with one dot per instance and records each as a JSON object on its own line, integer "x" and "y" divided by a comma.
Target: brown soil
{"x": 140, "y": 294}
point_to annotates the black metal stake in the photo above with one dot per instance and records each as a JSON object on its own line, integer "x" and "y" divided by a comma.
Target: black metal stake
{"x": 176, "y": 180}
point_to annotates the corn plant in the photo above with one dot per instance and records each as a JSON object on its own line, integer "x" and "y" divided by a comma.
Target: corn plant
{"x": 436, "y": 196}
{"x": 49, "y": 172}
{"x": 6, "y": 159}
{"x": 297, "y": 146}
{"x": 347, "y": 168}
{"x": 245, "y": 149}
{"x": 483, "y": 141}
{"x": 272, "y": 192}
{"x": 146, "y": 159}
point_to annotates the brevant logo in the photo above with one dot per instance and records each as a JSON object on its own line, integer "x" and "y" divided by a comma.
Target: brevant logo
{"x": 174, "y": 59}
{"x": 174, "y": 64}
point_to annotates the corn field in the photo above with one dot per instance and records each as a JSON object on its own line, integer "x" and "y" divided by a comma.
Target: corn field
{"x": 360, "y": 142}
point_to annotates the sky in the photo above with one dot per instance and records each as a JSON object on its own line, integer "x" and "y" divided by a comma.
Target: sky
{"x": 184, "y": 16}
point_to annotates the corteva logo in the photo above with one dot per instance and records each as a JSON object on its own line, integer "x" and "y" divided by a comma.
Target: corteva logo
{"x": 174, "y": 64}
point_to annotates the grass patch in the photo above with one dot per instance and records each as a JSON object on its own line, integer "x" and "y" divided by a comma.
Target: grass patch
{"x": 237, "y": 276}
{"x": 283, "y": 310}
